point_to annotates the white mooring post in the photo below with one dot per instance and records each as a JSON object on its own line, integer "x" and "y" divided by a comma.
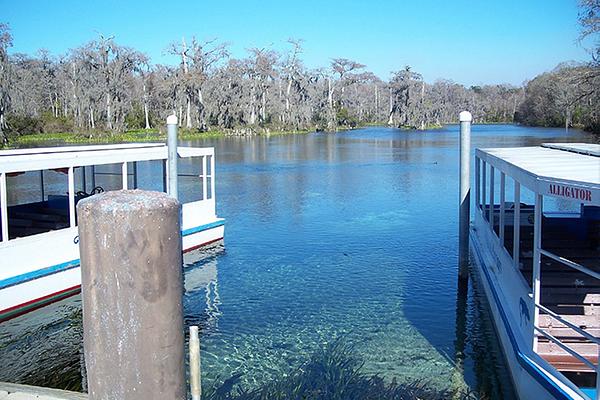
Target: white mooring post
{"x": 172, "y": 155}
{"x": 195, "y": 383}
{"x": 465, "y": 194}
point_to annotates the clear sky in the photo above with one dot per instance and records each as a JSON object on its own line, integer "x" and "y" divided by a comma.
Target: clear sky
{"x": 471, "y": 42}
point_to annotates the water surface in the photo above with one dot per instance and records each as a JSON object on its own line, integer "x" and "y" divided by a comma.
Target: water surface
{"x": 349, "y": 235}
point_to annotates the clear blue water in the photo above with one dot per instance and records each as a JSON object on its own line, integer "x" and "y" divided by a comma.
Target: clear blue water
{"x": 349, "y": 235}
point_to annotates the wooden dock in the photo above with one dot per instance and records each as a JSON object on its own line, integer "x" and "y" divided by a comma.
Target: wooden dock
{"x": 11, "y": 391}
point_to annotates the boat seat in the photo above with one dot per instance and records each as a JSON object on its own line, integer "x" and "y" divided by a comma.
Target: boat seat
{"x": 38, "y": 216}
{"x": 564, "y": 361}
{"x": 567, "y": 363}
{"x": 16, "y": 232}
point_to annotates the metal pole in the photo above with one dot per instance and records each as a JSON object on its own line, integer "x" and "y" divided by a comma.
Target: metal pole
{"x": 502, "y": 206}
{"x": 172, "y": 154}
{"x": 71, "y": 184}
{"x": 517, "y": 225}
{"x": 492, "y": 200}
{"x": 42, "y": 184}
{"x": 3, "y": 207}
{"x": 465, "y": 195}
{"x": 132, "y": 285}
{"x": 537, "y": 245}
{"x": 195, "y": 382}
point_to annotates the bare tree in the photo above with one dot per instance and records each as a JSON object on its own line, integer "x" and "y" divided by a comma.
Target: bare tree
{"x": 5, "y": 43}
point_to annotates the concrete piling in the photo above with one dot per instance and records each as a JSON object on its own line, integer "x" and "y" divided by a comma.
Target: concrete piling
{"x": 132, "y": 287}
{"x": 465, "y": 194}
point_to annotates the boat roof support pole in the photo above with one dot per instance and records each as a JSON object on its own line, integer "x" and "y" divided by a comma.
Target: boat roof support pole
{"x": 71, "y": 180}
{"x": 4, "y": 210}
{"x": 477, "y": 182}
{"x": 42, "y": 184}
{"x": 135, "y": 177}
{"x": 535, "y": 281}
{"x": 517, "y": 225}
{"x": 502, "y": 206}
{"x": 125, "y": 176}
{"x": 212, "y": 176}
{"x": 491, "y": 214}
{"x": 204, "y": 178}
{"x": 483, "y": 187}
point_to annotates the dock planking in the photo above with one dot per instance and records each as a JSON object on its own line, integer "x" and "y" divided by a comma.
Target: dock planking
{"x": 12, "y": 391}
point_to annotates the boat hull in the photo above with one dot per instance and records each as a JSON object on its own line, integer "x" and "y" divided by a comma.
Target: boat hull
{"x": 24, "y": 292}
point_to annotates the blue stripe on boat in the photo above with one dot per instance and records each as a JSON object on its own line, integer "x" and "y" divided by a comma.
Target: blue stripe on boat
{"x": 523, "y": 359}
{"x": 201, "y": 228}
{"x": 40, "y": 273}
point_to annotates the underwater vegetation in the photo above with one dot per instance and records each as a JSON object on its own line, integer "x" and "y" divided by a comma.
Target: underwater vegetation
{"x": 333, "y": 373}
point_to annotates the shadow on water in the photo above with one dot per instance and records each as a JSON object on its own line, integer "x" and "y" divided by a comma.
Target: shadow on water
{"x": 44, "y": 348}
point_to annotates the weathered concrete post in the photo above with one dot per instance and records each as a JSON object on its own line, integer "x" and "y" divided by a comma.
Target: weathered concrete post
{"x": 465, "y": 194}
{"x": 172, "y": 155}
{"x": 132, "y": 285}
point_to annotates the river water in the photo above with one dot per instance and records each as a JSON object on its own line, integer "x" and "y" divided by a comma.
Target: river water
{"x": 330, "y": 237}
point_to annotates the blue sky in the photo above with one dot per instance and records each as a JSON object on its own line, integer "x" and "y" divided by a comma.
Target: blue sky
{"x": 471, "y": 42}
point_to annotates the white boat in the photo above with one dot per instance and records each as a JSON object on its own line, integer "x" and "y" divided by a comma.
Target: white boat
{"x": 535, "y": 243}
{"x": 39, "y": 189}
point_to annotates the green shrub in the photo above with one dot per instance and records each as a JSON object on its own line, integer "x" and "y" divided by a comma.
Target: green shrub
{"x": 19, "y": 125}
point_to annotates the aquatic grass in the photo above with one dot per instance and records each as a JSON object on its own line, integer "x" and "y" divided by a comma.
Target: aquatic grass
{"x": 137, "y": 135}
{"x": 333, "y": 373}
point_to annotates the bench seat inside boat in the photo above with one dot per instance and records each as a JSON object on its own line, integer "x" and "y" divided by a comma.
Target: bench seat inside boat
{"x": 33, "y": 218}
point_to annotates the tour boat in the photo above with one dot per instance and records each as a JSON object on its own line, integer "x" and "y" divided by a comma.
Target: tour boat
{"x": 535, "y": 243}
{"x": 39, "y": 190}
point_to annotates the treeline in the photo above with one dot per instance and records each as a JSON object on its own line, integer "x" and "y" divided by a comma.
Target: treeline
{"x": 102, "y": 86}
{"x": 568, "y": 96}
{"x": 105, "y": 87}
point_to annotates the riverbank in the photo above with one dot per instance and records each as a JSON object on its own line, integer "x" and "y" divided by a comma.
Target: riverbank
{"x": 142, "y": 135}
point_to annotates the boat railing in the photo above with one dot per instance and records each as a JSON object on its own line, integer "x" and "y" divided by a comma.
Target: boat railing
{"x": 568, "y": 324}
{"x": 574, "y": 353}
{"x": 571, "y": 264}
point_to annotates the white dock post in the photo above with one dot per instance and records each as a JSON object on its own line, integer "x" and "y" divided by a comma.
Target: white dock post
{"x": 172, "y": 155}
{"x": 465, "y": 194}
{"x": 131, "y": 287}
{"x": 195, "y": 370}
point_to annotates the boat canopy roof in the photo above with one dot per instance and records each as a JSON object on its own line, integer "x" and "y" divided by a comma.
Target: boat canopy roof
{"x": 569, "y": 170}
{"x": 23, "y": 160}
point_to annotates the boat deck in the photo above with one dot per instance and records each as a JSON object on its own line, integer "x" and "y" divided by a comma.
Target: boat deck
{"x": 573, "y": 295}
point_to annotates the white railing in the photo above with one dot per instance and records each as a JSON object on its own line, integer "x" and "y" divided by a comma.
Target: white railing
{"x": 577, "y": 329}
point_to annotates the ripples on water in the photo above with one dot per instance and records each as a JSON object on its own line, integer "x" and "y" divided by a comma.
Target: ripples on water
{"x": 349, "y": 235}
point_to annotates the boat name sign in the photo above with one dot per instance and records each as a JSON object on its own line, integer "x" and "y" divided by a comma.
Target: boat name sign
{"x": 581, "y": 194}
